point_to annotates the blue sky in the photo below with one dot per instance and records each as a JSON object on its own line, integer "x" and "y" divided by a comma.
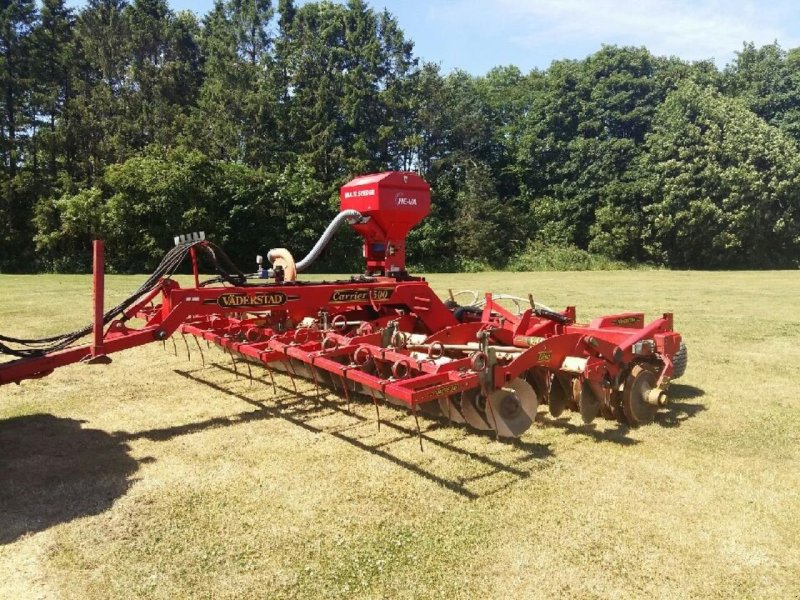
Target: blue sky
{"x": 476, "y": 35}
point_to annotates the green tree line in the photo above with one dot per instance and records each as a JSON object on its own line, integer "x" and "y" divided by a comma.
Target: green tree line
{"x": 132, "y": 122}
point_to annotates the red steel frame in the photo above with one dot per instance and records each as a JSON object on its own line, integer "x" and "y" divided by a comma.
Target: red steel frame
{"x": 382, "y": 333}
{"x": 253, "y": 330}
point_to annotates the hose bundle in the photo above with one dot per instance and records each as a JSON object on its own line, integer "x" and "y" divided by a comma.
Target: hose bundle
{"x": 222, "y": 264}
{"x": 227, "y": 272}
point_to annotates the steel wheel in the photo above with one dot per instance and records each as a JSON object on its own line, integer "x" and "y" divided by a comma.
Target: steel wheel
{"x": 637, "y": 410}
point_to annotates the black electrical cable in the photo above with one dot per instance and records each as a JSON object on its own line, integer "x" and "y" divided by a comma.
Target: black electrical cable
{"x": 227, "y": 270}
{"x": 217, "y": 256}
{"x": 41, "y": 346}
{"x": 221, "y": 262}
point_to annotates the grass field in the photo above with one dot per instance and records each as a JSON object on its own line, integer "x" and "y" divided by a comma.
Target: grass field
{"x": 154, "y": 477}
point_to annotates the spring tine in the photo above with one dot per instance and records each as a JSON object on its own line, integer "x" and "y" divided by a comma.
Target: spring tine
{"x": 292, "y": 367}
{"x": 164, "y": 345}
{"x": 185, "y": 343}
{"x": 494, "y": 420}
{"x": 200, "y": 350}
{"x": 174, "y": 345}
{"x": 233, "y": 360}
{"x": 419, "y": 431}
{"x": 346, "y": 391}
{"x": 208, "y": 345}
{"x": 449, "y": 411}
{"x": 377, "y": 411}
{"x": 289, "y": 373}
{"x": 249, "y": 371}
{"x": 314, "y": 377}
{"x": 271, "y": 378}
{"x": 333, "y": 385}
{"x": 316, "y": 383}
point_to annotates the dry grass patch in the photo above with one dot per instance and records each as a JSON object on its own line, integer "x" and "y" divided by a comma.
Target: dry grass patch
{"x": 156, "y": 478}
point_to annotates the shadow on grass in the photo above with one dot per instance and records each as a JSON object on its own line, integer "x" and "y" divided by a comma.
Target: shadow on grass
{"x": 678, "y": 410}
{"x": 674, "y": 415}
{"x": 52, "y": 470}
{"x": 618, "y": 434}
{"x": 309, "y": 407}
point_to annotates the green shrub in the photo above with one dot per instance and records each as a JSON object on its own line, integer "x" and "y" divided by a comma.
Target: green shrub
{"x": 543, "y": 257}
{"x": 469, "y": 265}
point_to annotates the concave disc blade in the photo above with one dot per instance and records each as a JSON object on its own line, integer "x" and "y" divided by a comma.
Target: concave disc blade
{"x": 606, "y": 408}
{"x": 637, "y": 385}
{"x": 300, "y": 368}
{"x": 451, "y": 408}
{"x": 471, "y": 414}
{"x": 588, "y": 403}
{"x": 511, "y": 410}
{"x": 616, "y": 406}
{"x": 560, "y": 393}
{"x": 575, "y": 394}
{"x": 540, "y": 381}
{"x": 430, "y": 409}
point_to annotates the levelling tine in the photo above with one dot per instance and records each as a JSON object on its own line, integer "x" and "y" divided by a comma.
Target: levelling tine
{"x": 314, "y": 377}
{"x": 272, "y": 379}
{"x": 449, "y": 411}
{"x": 289, "y": 373}
{"x": 249, "y": 371}
{"x": 185, "y": 343}
{"x": 419, "y": 431}
{"x": 292, "y": 367}
{"x": 494, "y": 420}
{"x": 333, "y": 385}
{"x": 200, "y": 350}
{"x": 375, "y": 402}
{"x": 164, "y": 345}
{"x": 346, "y": 391}
{"x": 233, "y": 360}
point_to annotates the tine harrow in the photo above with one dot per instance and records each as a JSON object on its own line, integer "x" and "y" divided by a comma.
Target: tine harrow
{"x": 384, "y": 334}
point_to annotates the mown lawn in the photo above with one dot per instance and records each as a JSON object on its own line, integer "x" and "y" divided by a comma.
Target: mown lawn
{"x": 154, "y": 477}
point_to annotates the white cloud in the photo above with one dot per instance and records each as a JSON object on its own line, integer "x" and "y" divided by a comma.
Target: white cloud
{"x": 696, "y": 30}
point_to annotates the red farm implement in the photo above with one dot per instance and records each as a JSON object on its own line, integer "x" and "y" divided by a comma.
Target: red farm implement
{"x": 384, "y": 334}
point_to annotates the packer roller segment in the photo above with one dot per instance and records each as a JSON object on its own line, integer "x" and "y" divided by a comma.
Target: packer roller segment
{"x": 488, "y": 363}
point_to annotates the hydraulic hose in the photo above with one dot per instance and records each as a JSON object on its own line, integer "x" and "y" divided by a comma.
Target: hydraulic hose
{"x": 324, "y": 239}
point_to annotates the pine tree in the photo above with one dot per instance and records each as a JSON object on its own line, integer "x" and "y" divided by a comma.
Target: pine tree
{"x": 17, "y": 19}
